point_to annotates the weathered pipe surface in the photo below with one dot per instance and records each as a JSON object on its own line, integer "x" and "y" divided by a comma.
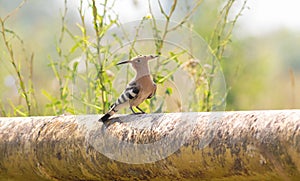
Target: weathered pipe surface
{"x": 254, "y": 145}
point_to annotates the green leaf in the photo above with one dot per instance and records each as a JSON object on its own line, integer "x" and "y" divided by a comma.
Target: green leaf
{"x": 169, "y": 91}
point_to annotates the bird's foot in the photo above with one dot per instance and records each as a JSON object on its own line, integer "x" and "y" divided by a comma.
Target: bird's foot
{"x": 142, "y": 112}
{"x": 137, "y": 113}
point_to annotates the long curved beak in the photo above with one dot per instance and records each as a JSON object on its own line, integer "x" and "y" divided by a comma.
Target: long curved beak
{"x": 124, "y": 62}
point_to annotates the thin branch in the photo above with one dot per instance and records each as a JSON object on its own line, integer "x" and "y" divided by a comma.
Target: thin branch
{"x": 14, "y": 11}
{"x": 187, "y": 16}
{"x": 15, "y": 66}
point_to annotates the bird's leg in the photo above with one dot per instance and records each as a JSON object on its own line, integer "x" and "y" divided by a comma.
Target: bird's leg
{"x": 142, "y": 112}
{"x": 132, "y": 110}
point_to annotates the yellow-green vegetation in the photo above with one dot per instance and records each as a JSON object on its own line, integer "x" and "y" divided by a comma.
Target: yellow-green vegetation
{"x": 46, "y": 56}
{"x": 83, "y": 70}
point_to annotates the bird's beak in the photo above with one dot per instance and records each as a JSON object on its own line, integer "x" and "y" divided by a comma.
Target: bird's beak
{"x": 155, "y": 56}
{"x": 124, "y": 62}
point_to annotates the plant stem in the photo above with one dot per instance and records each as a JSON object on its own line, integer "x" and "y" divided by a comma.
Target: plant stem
{"x": 13, "y": 63}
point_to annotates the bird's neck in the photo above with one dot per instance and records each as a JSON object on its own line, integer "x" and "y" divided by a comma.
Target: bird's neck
{"x": 142, "y": 72}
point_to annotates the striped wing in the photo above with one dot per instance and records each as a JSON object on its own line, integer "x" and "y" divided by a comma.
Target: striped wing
{"x": 130, "y": 92}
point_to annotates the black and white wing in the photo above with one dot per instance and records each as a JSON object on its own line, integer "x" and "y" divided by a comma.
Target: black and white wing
{"x": 131, "y": 92}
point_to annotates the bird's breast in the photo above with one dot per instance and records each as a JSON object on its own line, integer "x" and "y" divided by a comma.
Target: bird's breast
{"x": 146, "y": 83}
{"x": 147, "y": 87}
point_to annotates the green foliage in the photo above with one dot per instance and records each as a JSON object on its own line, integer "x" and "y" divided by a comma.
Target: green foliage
{"x": 85, "y": 84}
{"x": 26, "y": 89}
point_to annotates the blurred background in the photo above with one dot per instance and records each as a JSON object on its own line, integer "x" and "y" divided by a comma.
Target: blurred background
{"x": 261, "y": 64}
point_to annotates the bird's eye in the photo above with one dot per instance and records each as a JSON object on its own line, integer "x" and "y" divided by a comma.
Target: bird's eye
{"x": 138, "y": 60}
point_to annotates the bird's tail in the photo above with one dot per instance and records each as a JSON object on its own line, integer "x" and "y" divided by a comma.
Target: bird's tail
{"x": 109, "y": 113}
{"x": 105, "y": 117}
{"x": 120, "y": 103}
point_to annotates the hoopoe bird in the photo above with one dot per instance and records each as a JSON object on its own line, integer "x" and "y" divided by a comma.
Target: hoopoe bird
{"x": 139, "y": 89}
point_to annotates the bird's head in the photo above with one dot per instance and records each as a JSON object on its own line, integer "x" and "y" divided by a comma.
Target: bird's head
{"x": 140, "y": 62}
